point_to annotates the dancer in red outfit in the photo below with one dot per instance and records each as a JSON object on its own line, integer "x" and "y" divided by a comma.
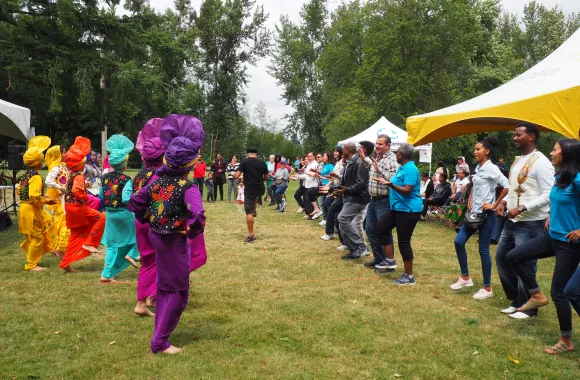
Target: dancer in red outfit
{"x": 86, "y": 225}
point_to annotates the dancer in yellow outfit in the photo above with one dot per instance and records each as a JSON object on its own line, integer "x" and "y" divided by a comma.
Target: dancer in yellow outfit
{"x": 31, "y": 220}
{"x": 56, "y": 181}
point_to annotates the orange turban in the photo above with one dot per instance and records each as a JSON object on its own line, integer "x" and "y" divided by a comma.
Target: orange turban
{"x": 77, "y": 153}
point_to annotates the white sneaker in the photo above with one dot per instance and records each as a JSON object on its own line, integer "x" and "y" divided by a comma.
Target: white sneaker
{"x": 300, "y": 211}
{"x": 519, "y": 315}
{"x": 317, "y": 215}
{"x": 461, "y": 283}
{"x": 326, "y": 237}
{"x": 509, "y": 310}
{"x": 323, "y": 223}
{"x": 342, "y": 247}
{"x": 483, "y": 294}
{"x": 365, "y": 253}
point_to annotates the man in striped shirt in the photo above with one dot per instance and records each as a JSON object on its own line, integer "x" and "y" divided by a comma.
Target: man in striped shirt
{"x": 384, "y": 165}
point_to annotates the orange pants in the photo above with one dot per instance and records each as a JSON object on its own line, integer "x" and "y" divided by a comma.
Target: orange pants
{"x": 87, "y": 234}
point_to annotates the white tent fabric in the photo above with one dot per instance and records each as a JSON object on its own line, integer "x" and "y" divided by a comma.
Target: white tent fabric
{"x": 15, "y": 121}
{"x": 383, "y": 127}
{"x": 548, "y": 94}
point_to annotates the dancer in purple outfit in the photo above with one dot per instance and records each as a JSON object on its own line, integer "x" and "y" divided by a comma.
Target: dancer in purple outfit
{"x": 152, "y": 150}
{"x": 173, "y": 207}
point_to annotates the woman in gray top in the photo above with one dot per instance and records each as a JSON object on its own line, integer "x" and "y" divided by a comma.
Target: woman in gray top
{"x": 482, "y": 202}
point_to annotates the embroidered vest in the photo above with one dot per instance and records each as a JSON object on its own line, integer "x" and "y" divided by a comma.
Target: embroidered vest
{"x": 25, "y": 185}
{"x": 142, "y": 179}
{"x": 168, "y": 213}
{"x": 113, "y": 184}
{"x": 68, "y": 195}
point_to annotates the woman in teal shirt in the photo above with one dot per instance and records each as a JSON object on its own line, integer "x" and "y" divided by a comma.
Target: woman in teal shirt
{"x": 328, "y": 167}
{"x": 560, "y": 241}
{"x": 404, "y": 213}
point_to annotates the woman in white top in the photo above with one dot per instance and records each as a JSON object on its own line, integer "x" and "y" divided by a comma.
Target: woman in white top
{"x": 310, "y": 177}
{"x": 482, "y": 202}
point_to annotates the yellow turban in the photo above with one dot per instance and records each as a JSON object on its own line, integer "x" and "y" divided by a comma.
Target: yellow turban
{"x": 53, "y": 157}
{"x": 34, "y": 156}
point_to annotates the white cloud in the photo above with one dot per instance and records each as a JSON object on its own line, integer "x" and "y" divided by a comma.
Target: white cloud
{"x": 263, "y": 87}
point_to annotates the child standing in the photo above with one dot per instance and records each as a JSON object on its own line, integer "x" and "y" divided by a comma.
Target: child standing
{"x": 240, "y": 199}
{"x": 209, "y": 185}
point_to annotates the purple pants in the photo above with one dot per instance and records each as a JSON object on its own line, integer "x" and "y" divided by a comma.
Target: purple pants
{"x": 172, "y": 258}
{"x": 146, "y": 286}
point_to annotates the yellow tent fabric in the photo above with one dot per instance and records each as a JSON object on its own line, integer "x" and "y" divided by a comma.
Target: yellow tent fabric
{"x": 548, "y": 95}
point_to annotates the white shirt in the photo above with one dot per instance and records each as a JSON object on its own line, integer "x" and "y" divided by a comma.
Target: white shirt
{"x": 338, "y": 171}
{"x": 51, "y": 182}
{"x": 537, "y": 187}
{"x": 460, "y": 183}
{"x": 487, "y": 177}
{"x": 309, "y": 180}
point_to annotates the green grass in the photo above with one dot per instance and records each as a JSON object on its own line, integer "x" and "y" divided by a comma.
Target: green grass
{"x": 285, "y": 306}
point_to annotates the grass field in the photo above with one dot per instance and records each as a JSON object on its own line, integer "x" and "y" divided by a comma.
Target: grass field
{"x": 285, "y": 306}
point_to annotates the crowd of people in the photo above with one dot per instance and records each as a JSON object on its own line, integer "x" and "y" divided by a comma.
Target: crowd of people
{"x": 360, "y": 193}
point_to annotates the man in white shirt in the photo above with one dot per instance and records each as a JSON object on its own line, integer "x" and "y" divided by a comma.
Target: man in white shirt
{"x": 531, "y": 179}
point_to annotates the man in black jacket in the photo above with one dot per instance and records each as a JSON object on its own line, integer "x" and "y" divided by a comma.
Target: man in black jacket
{"x": 439, "y": 197}
{"x": 355, "y": 196}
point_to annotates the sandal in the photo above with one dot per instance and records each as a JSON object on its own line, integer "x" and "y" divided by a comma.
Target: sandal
{"x": 558, "y": 348}
{"x": 532, "y": 304}
{"x": 250, "y": 239}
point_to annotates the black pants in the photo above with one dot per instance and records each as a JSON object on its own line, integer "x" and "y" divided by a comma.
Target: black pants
{"x": 199, "y": 183}
{"x": 332, "y": 217}
{"x": 299, "y": 194}
{"x": 567, "y": 260}
{"x": 405, "y": 223}
{"x": 434, "y": 202}
{"x": 310, "y": 196}
{"x": 219, "y": 187}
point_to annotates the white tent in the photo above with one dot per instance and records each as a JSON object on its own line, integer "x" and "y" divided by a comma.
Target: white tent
{"x": 383, "y": 127}
{"x": 15, "y": 121}
{"x": 548, "y": 94}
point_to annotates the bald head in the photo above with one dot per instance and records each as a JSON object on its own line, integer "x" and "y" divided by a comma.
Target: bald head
{"x": 349, "y": 150}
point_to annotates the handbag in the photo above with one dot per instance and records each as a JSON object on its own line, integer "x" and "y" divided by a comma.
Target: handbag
{"x": 474, "y": 221}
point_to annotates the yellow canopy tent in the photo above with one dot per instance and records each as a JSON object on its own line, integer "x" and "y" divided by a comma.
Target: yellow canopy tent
{"x": 548, "y": 95}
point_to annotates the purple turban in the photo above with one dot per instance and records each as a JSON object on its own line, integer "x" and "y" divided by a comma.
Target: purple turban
{"x": 149, "y": 143}
{"x": 182, "y": 136}
{"x": 150, "y": 130}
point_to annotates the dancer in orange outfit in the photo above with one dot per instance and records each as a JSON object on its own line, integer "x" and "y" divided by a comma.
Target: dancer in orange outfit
{"x": 31, "y": 220}
{"x": 86, "y": 225}
{"x": 56, "y": 181}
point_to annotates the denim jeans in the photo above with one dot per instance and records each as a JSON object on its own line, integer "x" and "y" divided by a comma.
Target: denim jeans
{"x": 199, "y": 183}
{"x": 484, "y": 244}
{"x": 326, "y": 203}
{"x": 567, "y": 260}
{"x": 233, "y": 186}
{"x": 514, "y": 235}
{"x": 280, "y": 190}
{"x": 376, "y": 210}
{"x": 499, "y": 225}
{"x": 350, "y": 229}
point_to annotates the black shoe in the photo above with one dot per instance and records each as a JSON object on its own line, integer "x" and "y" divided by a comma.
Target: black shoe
{"x": 371, "y": 264}
{"x": 271, "y": 203}
{"x": 250, "y": 239}
{"x": 494, "y": 242}
{"x": 350, "y": 256}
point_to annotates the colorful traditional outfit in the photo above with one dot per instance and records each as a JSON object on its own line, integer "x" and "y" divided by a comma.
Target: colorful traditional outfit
{"x": 56, "y": 181}
{"x": 175, "y": 212}
{"x": 116, "y": 190}
{"x": 86, "y": 224}
{"x": 32, "y": 222}
{"x": 152, "y": 150}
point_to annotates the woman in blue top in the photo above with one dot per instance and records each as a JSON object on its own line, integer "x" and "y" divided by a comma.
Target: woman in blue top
{"x": 404, "y": 213}
{"x": 328, "y": 167}
{"x": 482, "y": 201}
{"x": 561, "y": 241}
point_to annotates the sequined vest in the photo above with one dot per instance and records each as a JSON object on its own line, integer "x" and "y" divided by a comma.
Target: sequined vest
{"x": 25, "y": 185}
{"x": 113, "y": 184}
{"x": 142, "y": 179}
{"x": 168, "y": 212}
{"x": 68, "y": 195}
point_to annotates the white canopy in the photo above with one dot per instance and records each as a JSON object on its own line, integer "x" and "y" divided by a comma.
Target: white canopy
{"x": 15, "y": 121}
{"x": 383, "y": 127}
{"x": 548, "y": 94}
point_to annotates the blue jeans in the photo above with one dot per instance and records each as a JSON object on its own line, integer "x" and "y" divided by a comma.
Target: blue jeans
{"x": 484, "y": 243}
{"x": 280, "y": 190}
{"x": 515, "y": 235}
{"x": 376, "y": 210}
{"x": 326, "y": 203}
{"x": 499, "y": 223}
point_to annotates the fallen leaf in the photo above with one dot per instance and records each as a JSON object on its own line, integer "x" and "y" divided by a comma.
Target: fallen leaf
{"x": 397, "y": 375}
{"x": 197, "y": 337}
{"x": 513, "y": 360}
{"x": 464, "y": 309}
{"x": 78, "y": 336}
{"x": 113, "y": 342}
{"x": 354, "y": 301}
{"x": 476, "y": 353}
{"x": 285, "y": 339}
{"x": 57, "y": 332}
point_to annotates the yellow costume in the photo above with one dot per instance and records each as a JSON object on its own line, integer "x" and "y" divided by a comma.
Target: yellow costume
{"x": 56, "y": 181}
{"x": 31, "y": 220}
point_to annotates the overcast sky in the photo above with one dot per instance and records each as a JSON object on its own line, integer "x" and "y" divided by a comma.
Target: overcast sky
{"x": 262, "y": 87}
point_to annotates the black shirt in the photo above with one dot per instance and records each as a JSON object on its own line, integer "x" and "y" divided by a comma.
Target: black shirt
{"x": 254, "y": 170}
